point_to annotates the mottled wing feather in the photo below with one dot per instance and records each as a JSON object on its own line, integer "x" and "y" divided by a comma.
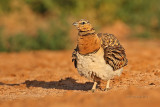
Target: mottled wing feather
{"x": 74, "y": 57}
{"x": 115, "y": 56}
{"x": 114, "y": 53}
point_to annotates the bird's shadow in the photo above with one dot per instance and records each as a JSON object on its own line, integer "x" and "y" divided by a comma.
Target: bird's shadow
{"x": 65, "y": 84}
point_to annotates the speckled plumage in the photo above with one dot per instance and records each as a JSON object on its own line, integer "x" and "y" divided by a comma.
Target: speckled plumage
{"x": 98, "y": 56}
{"x": 114, "y": 53}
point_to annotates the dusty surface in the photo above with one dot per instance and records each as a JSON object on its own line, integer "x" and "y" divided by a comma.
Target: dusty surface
{"x": 48, "y": 78}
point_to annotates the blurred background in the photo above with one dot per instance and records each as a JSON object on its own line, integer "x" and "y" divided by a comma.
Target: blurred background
{"x": 47, "y": 24}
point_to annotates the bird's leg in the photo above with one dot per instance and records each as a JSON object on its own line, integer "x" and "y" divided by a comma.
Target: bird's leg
{"x": 94, "y": 86}
{"x": 107, "y": 85}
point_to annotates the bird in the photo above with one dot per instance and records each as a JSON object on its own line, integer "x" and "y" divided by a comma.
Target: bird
{"x": 97, "y": 56}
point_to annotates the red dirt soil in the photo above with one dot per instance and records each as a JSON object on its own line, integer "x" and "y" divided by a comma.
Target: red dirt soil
{"x": 48, "y": 78}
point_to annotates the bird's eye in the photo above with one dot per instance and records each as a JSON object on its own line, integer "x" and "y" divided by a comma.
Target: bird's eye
{"x": 83, "y": 23}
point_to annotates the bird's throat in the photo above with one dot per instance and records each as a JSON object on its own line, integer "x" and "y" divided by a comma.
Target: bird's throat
{"x": 88, "y": 44}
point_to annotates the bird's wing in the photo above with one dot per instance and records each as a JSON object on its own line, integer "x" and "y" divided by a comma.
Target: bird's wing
{"x": 114, "y": 53}
{"x": 74, "y": 57}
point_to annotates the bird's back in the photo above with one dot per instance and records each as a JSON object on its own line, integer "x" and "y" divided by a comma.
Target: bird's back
{"x": 114, "y": 53}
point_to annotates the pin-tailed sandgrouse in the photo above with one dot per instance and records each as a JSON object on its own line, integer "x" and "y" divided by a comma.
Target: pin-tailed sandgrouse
{"x": 98, "y": 57}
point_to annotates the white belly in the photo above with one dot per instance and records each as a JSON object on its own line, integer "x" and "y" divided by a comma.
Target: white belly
{"x": 88, "y": 65}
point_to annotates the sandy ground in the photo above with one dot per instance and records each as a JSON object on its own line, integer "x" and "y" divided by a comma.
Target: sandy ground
{"x": 48, "y": 78}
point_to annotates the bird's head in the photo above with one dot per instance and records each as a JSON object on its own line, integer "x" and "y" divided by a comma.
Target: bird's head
{"x": 83, "y": 25}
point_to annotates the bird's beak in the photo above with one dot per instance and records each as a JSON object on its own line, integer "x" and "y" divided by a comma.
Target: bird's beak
{"x": 75, "y": 23}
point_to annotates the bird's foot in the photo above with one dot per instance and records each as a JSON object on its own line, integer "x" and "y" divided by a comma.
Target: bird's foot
{"x": 94, "y": 87}
{"x": 93, "y": 90}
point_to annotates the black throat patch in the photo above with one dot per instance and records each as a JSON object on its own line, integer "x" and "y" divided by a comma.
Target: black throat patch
{"x": 86, "y": 33}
